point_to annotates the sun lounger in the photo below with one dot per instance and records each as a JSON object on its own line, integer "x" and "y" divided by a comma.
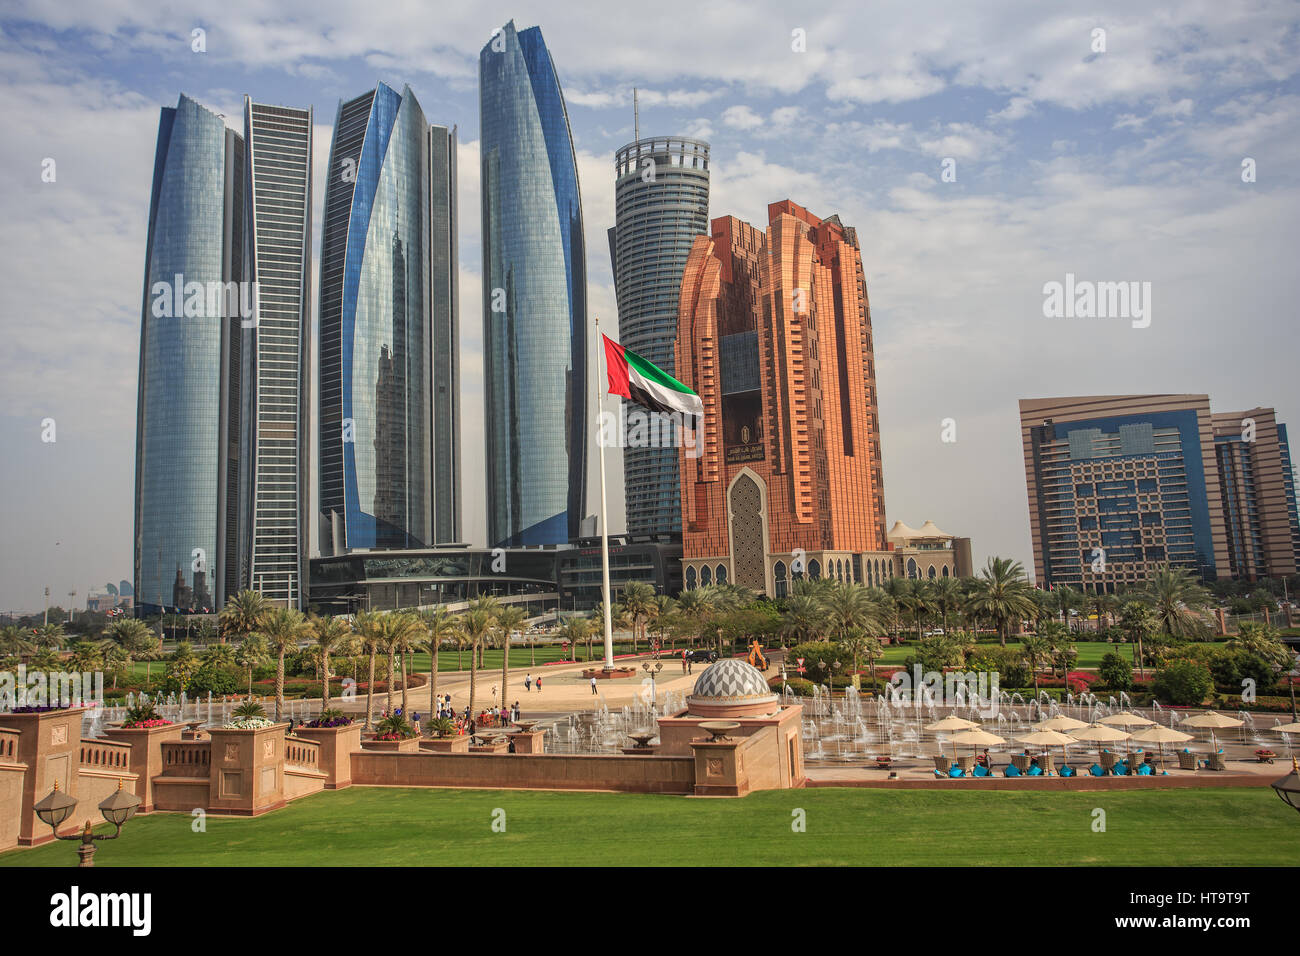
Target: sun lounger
{"x": 1216, "y": 762}
{"x": 941, "y": 762}
{"x": 1066, "y": 770}
{"x": 1021, "y": 761}
{"x": 1097, "y": 770}
{"x": 1107, "y": 760}
{"x": 1048, "y": 763}
{"x": 981, "y": 771}
{"x": 966, "y": 762}
{"x": 956, "y": 771}
{"x": 1011, "y": 770}
{"x": 1120, "y": 769}
{"x": 1186, "y": 760}
{"x": 1145, "y": 770}
{"x": 1034, "y": 771}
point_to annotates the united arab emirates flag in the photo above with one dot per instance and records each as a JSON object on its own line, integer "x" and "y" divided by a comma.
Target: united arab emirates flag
{"x": 646, "y": 384}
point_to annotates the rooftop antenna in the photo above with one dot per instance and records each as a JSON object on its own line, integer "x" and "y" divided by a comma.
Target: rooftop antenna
{"x": 636, "y": 118}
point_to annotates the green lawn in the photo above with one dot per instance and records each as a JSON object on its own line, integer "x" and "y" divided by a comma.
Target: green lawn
{"x": 1090, "y": 652}
{"x": 370, "y": 826}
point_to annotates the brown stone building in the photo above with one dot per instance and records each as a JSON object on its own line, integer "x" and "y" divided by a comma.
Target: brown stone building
{"x": 1258, "y": 493}
{"x": 774, "y": 333}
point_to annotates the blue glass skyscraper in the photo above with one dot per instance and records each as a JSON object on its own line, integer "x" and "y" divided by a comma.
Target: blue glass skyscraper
{"x": 378, "y": 367}
{"x": 187, "y": 547}
{"x": 534, "y": 297}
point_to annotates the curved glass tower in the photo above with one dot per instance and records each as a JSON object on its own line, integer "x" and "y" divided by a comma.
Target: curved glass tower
{"x": 189, "y": 397}
{"x": 534, "y": 297}
{"x": 661, "y": 195}
{"x": 376, "y": 444}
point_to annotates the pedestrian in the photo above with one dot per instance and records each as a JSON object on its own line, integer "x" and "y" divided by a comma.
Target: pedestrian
{"x": 539, "y": 683}
{"x": 593, "y": 686}
{"x": 528, "y": 682}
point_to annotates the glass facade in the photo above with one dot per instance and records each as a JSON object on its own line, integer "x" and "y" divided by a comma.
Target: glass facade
{"x": 661, "y": 195}
{"x": 279, "y": 165}
{"x": 189, "y": 402}
{"x": 534, "y": 297}
{"x": 376, "y": 442}
{"x": 1121, "y": 496}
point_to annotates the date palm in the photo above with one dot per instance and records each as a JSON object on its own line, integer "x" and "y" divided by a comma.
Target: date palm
{"x": 242, "y": 615}
{"x": 14, "y": 642}
{"x": 508, "y": 620}
{"x": 330, "y": 634}
{"x": 1002, "y": 594}
{"x": 49, "y": 636}
{"x": 369, "y": 628}
{"x": 1175, "y": 597}
{"x": 804, "y": 619}
{"x": 284, "y": 628}
{"x": 945, "y": 598}
{"x": 1056, "y": 638}
{"x": 849, "y": 608}
{"x": 638, "y": 600}
{"x": 250, "y": 654}
{"x": 1035, "y": 650}
{"x": 439, "y": 625}
{"x": 476, "y": 624}
{"x": 1138, "y": 622}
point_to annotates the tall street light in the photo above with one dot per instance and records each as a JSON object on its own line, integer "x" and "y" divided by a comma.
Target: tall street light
{"x": 58, "y": 806}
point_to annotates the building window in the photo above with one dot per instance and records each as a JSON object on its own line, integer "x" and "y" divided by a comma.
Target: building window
{"x": 690, "y": 579}
{"x": 930, "y": 574}
{"x": 945, "y": 570}
{"x": 706, "y": 576}
{"x": 911, "y": 568}
{"x": 721, "y": 574}
{"x": 814, "y": 569}
{"x": 778, "y": 577}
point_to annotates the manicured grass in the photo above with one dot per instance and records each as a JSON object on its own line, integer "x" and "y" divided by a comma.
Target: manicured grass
{"x": 1090, "y": 652}
{"x": 372, "y": 826}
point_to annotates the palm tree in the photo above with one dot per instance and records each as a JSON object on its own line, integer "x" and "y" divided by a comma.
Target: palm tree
{"x": 803, "y": 619}
{"x": 85, "y": 656}
{"x": 1104, "y": 602}
{"x": 662, "y": 616}
{"x": 250, "y": 654}
{"x": 48, "y": 636}
{"x": 859, "y": 645}
{"x": 1035, "y": 649}
{"x": 946, "y": 598}
{"x": 894, "y": 593}
{"x": 1263, "y": 641}
{"x": 477, "y": 624}
{"x": 849, "y": 607}
{"x": 488, "y": 603}
{"x": 1176, "y": 598}
{"x": 134, "y": 637}
{"x": 638, "y": 600}
{"x": 14, "y": 642}
{"x": 330, "y": 633}
{"x": 508, "y": 620}
{"x": 284, "y": 628}
{"x": 1002, "y": 594}
{"x": 1056, "y": 639}
{"x": 242, "y": 614}
{"x": 408, "y": 629}
{"x": 439, "y": 624}
{"x": 1067, "y": 600}
{"x": 369, "y": 627}
{"x": 1138, "y": 621}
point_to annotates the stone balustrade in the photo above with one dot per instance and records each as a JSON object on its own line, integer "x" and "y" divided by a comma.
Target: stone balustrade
{"x": 186, "y": 758}
{"x": 302, "y": 753}
{"x": 104, "y": 755}
{"x": 9, "y": 745}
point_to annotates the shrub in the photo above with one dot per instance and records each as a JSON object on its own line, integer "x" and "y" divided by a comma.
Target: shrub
{"x": 814, "y": 652}
{"x": 394, "y": 727}
{"x": 1115, "y": 671}
{"x": 144, "y": 714}
{"x": 330, "y": 717}
{"x": 442, "y": 727}
{"x": 1005, "y": 662}
{"x": 1182, "y": 682}
{"x": 798, "y": 686}
{"x": 212, "y": 678}
{"x": 250, "y": 708}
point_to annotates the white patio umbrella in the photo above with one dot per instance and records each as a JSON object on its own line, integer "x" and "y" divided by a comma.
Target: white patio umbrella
{"x": 1099, "y": 734}
{"x": 952, "y": 722}
{"x": 976, "y": 738}
{"x": 1049, "y": 738}
{"x": 1126, "y": 718}
{"x": 1060, "y": 722}
{"x": 1213, "y": 720}
{"x": 1160, "y": 736}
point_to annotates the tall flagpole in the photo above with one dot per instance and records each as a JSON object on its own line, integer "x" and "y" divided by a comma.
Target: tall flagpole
{"x": 604, "y": 510}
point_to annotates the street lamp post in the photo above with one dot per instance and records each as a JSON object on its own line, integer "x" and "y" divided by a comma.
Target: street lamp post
{"x": 58, "y": 806}
{"x": 1288, "y": 788}
{"x": 652, "y": 670}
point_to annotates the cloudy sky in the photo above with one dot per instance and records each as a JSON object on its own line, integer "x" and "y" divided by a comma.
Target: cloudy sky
{"x": 1114, "y": 155}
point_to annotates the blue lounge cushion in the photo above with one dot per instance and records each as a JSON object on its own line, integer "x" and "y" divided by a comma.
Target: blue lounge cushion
{"x": 1011, "y": 770}
{"x": 940, "y": 773}
{"x": 1145, "y": 770}
{"x": 1097, "y": 770}
{"x": 1067, "y": 771}
{"x": 1035, "y": 771}
{"x": 1121, "y": 769}
{"x": 956, "y": 771}
{"x": 981, "y": 771}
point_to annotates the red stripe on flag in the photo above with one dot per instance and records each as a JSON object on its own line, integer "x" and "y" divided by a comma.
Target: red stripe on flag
{"x": 616, "y": 369}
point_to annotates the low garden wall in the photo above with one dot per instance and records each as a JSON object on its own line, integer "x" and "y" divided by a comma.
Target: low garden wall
{"x": 632, "y": 774}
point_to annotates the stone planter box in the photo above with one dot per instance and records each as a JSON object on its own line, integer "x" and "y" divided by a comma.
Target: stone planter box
{"x": 49, "y": 744}
{"x": 528, "y": 741}
{"x": 146, "y": 755}
{"x": 458, "y": 744}
{"x": 247, "y": 770}
{"x": 337, "y": 745}
{"x": 601, "y": 674}
{"x": 497, "y": 747}
{"x": 408, "y": 746}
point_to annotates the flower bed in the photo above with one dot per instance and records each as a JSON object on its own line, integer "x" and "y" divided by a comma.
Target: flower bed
{"x": 340, "y": 720}
{"x": 249, "y": 723}
{"x": 145, "y": 724}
